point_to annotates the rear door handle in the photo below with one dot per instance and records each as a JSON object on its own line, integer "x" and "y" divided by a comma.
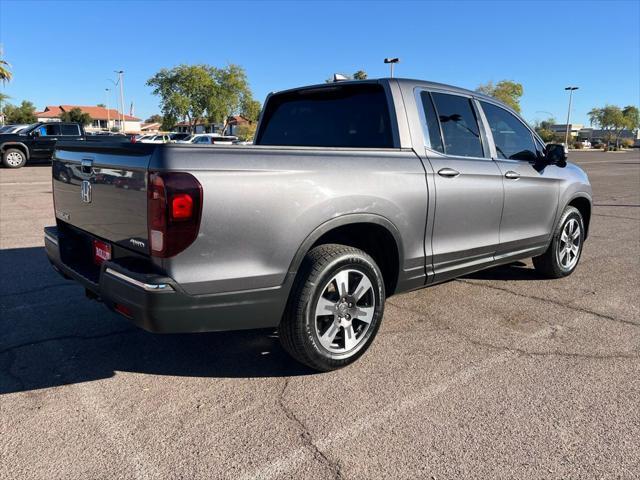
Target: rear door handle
{"x": 511, "y": 174}
{"x": 448, "y": 172}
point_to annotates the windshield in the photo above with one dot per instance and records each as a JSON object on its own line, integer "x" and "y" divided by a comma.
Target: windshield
{"x": 189, "y": 138}
{"x": 28, "y": 128}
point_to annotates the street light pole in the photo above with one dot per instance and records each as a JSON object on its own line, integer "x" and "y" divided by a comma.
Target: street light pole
{"x": 121, "y": 82}
{"x": 566, "y": 135}
{"x": 108, "y": 90}
{"x": 391, "y": 61}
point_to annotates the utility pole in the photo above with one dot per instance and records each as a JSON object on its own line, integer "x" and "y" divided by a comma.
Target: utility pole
{"x": 108, "y": 90}
{"x": 392, "y": 62}
{"x": 566, "y": 135}
{"x": 121, "y": 82}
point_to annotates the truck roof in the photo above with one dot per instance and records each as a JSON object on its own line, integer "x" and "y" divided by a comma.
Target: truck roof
{"x": 412, "y": 82}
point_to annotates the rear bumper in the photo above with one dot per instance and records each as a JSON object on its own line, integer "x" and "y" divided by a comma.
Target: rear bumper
{"x": 158, "y": 304}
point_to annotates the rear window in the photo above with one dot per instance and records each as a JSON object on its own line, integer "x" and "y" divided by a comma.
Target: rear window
{"x": 70, "y": 130}
{"x": 337, "y": 116}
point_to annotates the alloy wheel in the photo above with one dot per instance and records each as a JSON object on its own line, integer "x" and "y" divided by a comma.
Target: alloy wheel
{"x": 568, "y": 248}
{"x": 344, "y": 311}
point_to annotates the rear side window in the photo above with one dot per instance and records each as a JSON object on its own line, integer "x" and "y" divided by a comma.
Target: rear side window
{"x": 460, "y": 131}
{"x": 432, "y": 122}
{"x": 512, "y": 138}
{"x": 70, "y": 130}
{"x": 337, "y": 116}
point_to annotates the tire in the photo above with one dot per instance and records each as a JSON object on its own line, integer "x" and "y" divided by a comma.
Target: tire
{"x": 338, "y": 338}
{"x": 14, "y": 158}
{"x": 563, "y": 254}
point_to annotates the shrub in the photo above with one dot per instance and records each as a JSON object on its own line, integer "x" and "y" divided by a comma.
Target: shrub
{"x": 626, "y": 142}
{"x": 578, "y": 145}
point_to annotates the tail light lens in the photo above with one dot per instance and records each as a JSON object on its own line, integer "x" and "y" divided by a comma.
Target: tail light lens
{"x": 174, "y": 209}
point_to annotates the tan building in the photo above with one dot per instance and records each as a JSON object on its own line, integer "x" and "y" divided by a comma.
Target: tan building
{"x": 103, "y": 119}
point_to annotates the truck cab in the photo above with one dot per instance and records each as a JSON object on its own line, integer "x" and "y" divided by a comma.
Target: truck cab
{"x": 37, "y": 142}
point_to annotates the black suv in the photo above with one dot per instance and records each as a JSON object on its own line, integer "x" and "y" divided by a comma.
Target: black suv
{"x": 36, "y": 142}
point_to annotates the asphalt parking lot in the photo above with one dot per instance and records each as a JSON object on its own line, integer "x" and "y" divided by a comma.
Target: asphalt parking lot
{"x": 497, "y": 375}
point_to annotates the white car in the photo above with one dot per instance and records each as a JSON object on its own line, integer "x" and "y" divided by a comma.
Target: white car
{"x": 13, "y": 128}
{"x": 209, "y": 139}
{"x": 160, "y": 138}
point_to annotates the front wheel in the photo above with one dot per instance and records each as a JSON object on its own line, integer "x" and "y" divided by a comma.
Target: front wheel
{"x": 14, "y": 158}
{"x": 335, "y": 308}
{"x": 563, "y": 254}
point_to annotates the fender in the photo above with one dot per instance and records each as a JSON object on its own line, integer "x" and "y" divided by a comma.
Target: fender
{"x": 18, "y": 144}
{"x": 586, "y": 196}
{"x": 348, "y": 219}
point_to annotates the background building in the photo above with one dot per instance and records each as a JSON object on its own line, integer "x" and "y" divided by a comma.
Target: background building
{"x": 103, "y": 119}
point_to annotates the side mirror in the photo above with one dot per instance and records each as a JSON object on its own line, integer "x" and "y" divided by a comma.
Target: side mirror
{"x": 556, "y": 154}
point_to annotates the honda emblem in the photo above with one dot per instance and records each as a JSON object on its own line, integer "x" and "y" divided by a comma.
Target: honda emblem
{"x": 85, "y": 191}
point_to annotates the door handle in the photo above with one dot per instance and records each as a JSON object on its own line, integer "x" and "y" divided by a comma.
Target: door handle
{"x": 448, "y": 172}
{"x": 511, "y": 174}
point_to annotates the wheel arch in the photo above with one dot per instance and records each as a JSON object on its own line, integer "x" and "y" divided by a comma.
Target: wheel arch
{"x": 19, "y": 145}
{"x": 374, "y": 234}
{"x": 583, "y": 204}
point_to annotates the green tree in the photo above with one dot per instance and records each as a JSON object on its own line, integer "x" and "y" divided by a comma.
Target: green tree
{"x": 185, "y": 91}
{"x": 197, "y": 92}
{"x": 5, "y": 73}
{"x": 613, "y": 120}
{"x": 154, "y": 119}
{"x": 506, "y": 91}
{"x": 543, "y": 128}
{"x": 77, "y": 116}
{"x": 101, "y": 105}
{"x": 360, "y": 75}
{"x": 250, "y": 108}
{"x": 25, "y": 113}
{"x": 168, "y": 122}
{"x": 231, "y": 93}
{"x": 246, "y": 132}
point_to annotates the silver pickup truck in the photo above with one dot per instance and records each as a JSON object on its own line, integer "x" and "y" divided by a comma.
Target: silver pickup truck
{"x": 353, "y": 192}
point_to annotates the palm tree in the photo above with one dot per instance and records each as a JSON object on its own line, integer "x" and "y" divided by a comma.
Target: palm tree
{"x": 5, "y": 73}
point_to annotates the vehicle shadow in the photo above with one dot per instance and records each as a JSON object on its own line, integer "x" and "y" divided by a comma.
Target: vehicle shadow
{"x": 53, "y": 335}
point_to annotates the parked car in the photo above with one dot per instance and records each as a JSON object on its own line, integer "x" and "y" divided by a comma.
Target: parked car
{"x": 36, "y": 142}
{"x": 12, "y": 128}
{"x": 354, "y": 191}
{"x": 174, "y": 137}
{"x": 160, "y": 138}
{"x": 210, "y": 139}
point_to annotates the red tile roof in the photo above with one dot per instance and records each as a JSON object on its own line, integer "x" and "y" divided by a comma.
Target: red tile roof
{"x": 97, "y": 113}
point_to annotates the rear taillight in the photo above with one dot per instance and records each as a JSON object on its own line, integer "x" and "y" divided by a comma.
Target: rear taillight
{"x": 174, "y": 208}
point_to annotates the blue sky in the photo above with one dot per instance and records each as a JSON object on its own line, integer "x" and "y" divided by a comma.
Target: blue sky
{"x": 64, "y": 52}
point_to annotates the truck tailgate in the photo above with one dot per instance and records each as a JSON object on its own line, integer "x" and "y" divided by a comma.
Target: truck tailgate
{"x": 102, "y": 189}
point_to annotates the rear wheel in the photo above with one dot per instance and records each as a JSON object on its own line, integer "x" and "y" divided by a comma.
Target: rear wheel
{"x": 335, "y": 308}
{"x": 563, "y": 254}
{"x": 14, "y": 158}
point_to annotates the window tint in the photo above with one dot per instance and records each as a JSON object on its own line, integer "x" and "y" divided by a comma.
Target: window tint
{"x": 70, "y": 130}
{"x": 459, "y": 125}
{"x": 432, "y": 122}
{"x": 335, "y": 116}
{"x": 513, "y": 140}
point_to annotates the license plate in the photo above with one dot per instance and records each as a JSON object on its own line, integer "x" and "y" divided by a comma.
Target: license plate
{"x": 101, "y": 252}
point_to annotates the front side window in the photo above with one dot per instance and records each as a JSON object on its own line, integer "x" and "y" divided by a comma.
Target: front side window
{"x": 512, "y": 138}
{"x": 460, "y": 131}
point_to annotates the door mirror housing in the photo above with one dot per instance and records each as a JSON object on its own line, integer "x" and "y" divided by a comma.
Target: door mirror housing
{"x": 555, "y": 154}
